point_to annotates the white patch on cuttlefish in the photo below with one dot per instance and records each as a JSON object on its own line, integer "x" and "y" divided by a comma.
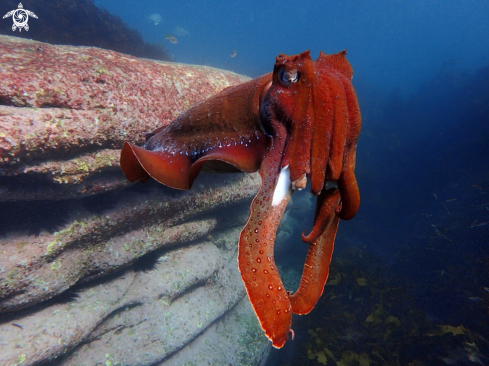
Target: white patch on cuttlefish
{"x": 282, "y": 187}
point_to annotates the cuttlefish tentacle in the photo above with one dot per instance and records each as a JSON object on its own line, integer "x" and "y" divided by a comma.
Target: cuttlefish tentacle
{"x": 301, "y": 122}
{"x": 348, "y": 186}
{"x": 256, "y": 260}
{"x": 316, "y": 267}
{"x": 323, "y": 215}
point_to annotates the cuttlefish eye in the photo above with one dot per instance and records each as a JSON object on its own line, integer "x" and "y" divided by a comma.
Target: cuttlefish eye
{"x": 288, "y": 77}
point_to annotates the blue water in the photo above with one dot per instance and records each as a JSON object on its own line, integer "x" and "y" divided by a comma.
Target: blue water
{"x": 421, "y": 72}
{"x": 390, "y": 43}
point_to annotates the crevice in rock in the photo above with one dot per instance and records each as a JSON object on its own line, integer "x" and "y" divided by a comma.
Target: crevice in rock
{"x": 69, "y": 296}
{"x": 113, "y": 314}
{"x": 59, "y": 153}
{"x": 33, "y": 217}
{"x": 26, "y": 185}
{"x": 203, "y": 282}
{"x": 3, "y": 100}
{"x": 42, "y": 186}
{"x": 147, "y": 262}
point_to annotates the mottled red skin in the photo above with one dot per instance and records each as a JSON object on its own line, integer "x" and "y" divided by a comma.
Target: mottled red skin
{"x": 224, "y": 128}
{"x": 316, "y": 266}
{"x": 306, "y": 119}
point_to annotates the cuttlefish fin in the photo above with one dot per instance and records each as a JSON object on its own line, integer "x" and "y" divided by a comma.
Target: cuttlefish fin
{"x": 226, "y": 128}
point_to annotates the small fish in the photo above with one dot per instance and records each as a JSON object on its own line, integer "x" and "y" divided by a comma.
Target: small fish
{"x": 475, "y": 298}
{"x": 154, "y": 18}
{"x": 181, "y": 32}
{"x": 436, "y": 197}
{"x": 233, "y": 54}
{"x": 172, "y": 39}
{"x": 18, "y": 326}
{"x": 477, "y": 186}
{"x": 451, "y": 200}
{"x": 486, "y": 288}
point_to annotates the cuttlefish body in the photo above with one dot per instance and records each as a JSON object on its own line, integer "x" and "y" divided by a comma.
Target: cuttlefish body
{"x": 299, "y": 123}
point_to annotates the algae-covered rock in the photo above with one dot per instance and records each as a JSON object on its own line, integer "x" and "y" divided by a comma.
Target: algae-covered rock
{"x": 137, "y": 317}
{"x": 93, "y": 269}
{"x": 66, "y": 111}
{"x": 36, "y": 268}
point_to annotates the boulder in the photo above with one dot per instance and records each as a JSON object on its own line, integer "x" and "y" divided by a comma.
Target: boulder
{"x": 36, "y": 268}
{"x": 66, "y": 111}
{"x": 142, "y": 317}
{"x": 94, "y": 269}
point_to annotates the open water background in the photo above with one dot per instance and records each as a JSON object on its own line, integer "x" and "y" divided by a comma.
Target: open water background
{"x": 420, "y": 239}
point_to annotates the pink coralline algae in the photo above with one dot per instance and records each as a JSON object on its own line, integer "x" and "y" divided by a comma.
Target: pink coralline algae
{"x": 63, "y": 105}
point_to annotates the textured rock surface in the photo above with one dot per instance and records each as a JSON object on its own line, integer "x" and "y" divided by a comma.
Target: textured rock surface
{"x": 37, "y": 268}
{"x": 160, "y": 322}
{"x": 236, "y": 340}
{"x": 92, "y": 269}
{"x": 65, "y": 112}
{"x": 140, "y": 318}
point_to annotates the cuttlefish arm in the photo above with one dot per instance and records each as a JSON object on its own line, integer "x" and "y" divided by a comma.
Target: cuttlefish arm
{"x": 313, "y": 115}
{"x": 318, "y": 259}
{"x": 226, "y": 127}
{"x": 340, "y": 106}
{"x": 301, "y": 122}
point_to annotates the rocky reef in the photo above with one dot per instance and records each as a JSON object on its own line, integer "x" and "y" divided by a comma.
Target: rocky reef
{"x": 83, "y": 103}
{"x": 82, "y": 23}
{"x": 94, "y": 269}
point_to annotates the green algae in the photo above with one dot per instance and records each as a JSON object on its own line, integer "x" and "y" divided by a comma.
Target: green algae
{"x": 20, "y": 359}
{"x": 56, "y": 265}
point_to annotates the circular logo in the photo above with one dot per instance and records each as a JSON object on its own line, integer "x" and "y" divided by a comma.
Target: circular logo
{"x": 20, "y": 18}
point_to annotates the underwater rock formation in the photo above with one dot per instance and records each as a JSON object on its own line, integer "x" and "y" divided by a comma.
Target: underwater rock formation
{"x": 83, "y": 103}
{"x": 89, "y": 263}
{"x": 36, "y": 268}
{"x": 82, "y": 23}
{"x": 139, "y": 318}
